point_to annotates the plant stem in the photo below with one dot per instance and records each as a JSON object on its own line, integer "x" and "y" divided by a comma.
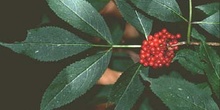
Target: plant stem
{"x": 117, "y": 46}
{"x": 126, "y": 46}
{"x": 198, "y": 43}
{"x": 139, "y": 46}
{"x": 189, "y": 22}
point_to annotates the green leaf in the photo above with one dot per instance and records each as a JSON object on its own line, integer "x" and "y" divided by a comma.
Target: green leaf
{"x": 75, "y": 80}
{"x": 197, "y": 35}
{"x": 136, "y": 19}
{"x": 116, "y": 29}
{"x": 49, "y": 44}
{"x": 81, "y": 15}
{"x": 164, "y": 10}
{"x": 128, "y": 88}
{"x": 179, "y": 94}
{"x": 205, "y": 87}
{"x": 210, "y": 8}
{"x": 145, "y": 105}
{"x": 213, "y": 67}
{"x": 212, "y": 24}
{"x": 120, "y": 61}
{"x": 190, "y": 60}
{"x": 98, "y": 4}
{"x": 101, "y": 95}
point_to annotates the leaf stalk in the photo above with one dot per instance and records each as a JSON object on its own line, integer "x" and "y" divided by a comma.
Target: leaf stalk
{"x": 189, "y": 22}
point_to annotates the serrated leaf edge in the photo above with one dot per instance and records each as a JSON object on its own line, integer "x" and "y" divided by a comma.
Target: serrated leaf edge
{"x": 76, "y": 77}
{"x": 136, "y": 72}
{"x": 169, "y": 8}
{"x": 103, "y": 36}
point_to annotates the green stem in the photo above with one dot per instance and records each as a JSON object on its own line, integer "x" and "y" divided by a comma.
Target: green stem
{"x": 126, "y": 46}
{"x": 117, "y": 46}
{"x": 189, "y": 22}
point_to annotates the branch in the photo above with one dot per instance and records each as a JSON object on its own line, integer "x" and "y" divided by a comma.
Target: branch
{"x": 198, "y": 43}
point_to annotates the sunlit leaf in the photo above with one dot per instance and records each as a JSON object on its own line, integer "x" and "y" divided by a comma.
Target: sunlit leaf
{"x": 164, "y": 10}
{"x": 209, "y": 8}
{"x": 179, "y": 94}
{"x": 81, "y": 15}
{"x": 49, "y": 44}
{"x": 212, "y": 24}
{"x": 75, "y": 80}
{"x": 128, "y": 88}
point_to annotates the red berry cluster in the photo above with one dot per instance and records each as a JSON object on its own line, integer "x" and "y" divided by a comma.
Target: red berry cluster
{"x": 158, "y": 50}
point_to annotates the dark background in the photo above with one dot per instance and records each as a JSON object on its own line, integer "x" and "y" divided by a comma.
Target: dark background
{"x": 22, "y": 79}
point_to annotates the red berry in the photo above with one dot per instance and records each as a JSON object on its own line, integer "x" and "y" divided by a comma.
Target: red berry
{"x": 164, "y": 30}
{"x": 159, "y": 49}
{"x": 178, "y": 36}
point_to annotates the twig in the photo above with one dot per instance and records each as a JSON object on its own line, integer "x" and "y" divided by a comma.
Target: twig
{"x": 198, "y": 43}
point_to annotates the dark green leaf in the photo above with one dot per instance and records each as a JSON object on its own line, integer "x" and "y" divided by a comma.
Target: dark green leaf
{"x": 98, "y": 4}
{"x": 49, "y": 44}
{"x": 75, "y": 80}
{"x": 120, "y": 61}
{"x": 101, "y": 95}
{"x": 116, "y": 29}
{"x": 136, "y": 19}
{"x": 128, "y": 88}
{"x": 210, "y": 8}
{"x": 175, "y": 74}
{"x": 190, "y": 60}
{"x": 81, "y": 15}
{"x": 196, "y": 35}
{"x": 164, "y": 10}
{"x": 145, "y": 105}
{"x": 213, "y": 67}
{"x": 179, "y": 94}
{"x": 212, "y": 24}
{"x": 205, "y": 87}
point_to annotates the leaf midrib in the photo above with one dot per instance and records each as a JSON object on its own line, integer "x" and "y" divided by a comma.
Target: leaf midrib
{"x": 129, "y": 83}
{"x": 145, "y": 33}
{"x": 48, "y": 43}
{"x": 103, "y": 36}
{"x": 210, "y": 61}
{"x": 169, "y": 8}
{"x": 77, "y": 77}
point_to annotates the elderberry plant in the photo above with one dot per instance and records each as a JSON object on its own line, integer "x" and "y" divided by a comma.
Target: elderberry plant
{"x": 193, "y": 54}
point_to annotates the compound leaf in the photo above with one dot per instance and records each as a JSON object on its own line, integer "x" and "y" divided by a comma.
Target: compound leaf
{"x": 210, "y": 8}
{"x": 212, "y": 24}
{"x": 49, "y": 44}
{"x": 136, "y": 19}
{"x": 75, "y": 80}
{"x": 128, "y": 88}
{"x": 190, "y": 60}
{"x": 179, "y": 94}
{"x": 164, "y": 10}
{"x": 81, "y": 15}
{"x": 212, "y": 69}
